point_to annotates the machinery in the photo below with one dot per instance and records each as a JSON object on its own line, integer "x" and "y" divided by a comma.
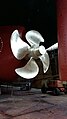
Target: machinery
{"x": 54, "y": 87}
{"x": 31, "y": 52}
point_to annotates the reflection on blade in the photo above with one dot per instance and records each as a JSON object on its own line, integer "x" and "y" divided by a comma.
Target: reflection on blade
{"x": 45, "y": 61}
{"x": 53, "y": 47}
{"x": 34, "y": 38}
{"x": 30, "y": 70}
{"x": 18, "y": 46}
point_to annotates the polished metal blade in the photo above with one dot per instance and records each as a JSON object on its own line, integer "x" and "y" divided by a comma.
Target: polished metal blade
{"x": 34, "y": 38}
{"x": 18, "y": 46}
{"x": 29, "y": 71}
{"x": 45, "y": 61}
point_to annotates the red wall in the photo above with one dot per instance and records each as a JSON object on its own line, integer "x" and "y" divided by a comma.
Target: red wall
{"x": 62, "y": 37}
{"x": 8, "y": 63}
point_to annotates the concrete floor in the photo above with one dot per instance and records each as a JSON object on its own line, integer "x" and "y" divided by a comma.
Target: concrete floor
{"x": 33, "y": 105}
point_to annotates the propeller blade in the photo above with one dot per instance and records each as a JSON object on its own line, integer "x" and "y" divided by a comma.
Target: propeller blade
{"x": 53, "y": 47}
{"x": 45, "y": 61}
{"x": 30, "y": 70}
{"x": 18, "y": 46}
{"x": 34, "y": 38}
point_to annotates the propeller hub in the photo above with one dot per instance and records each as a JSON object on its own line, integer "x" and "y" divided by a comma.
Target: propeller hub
{"x": 36, "y": 52}
{"x": 42, "y": 50}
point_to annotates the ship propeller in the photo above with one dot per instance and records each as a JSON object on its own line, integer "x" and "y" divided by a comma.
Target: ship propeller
{"x": 31, "y": 50}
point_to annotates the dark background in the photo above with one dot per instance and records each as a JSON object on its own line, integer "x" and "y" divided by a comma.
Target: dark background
{"x": 39, "y": 15}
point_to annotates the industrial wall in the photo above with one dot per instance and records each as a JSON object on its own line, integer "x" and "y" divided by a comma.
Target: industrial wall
{"x": 62, "y": 38}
